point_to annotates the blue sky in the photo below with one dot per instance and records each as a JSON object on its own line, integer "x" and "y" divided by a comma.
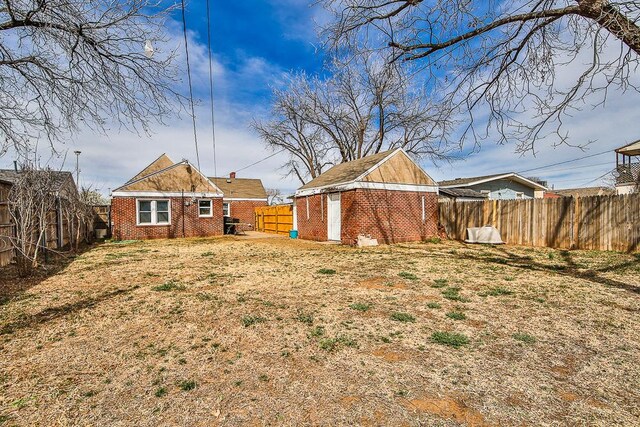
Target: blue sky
{"x": 254, "y": 44}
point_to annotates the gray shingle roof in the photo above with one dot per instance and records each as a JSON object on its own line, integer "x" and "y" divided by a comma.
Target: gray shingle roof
{"x": 463, "y": 192}
{"x": 346, "y": 172}
{"x": 11, "y": 176}
{"x": 240, "y": 188}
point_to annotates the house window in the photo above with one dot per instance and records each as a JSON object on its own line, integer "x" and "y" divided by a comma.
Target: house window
{"x": 226, "y": 209}
{"x": 204, "y": 208}
{"x": 153, "y": 212}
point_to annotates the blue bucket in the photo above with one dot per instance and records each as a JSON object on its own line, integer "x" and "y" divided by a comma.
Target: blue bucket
{"x": 293, "y": 234}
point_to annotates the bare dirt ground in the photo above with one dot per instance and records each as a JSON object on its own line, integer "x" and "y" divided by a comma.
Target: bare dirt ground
{"x": 233, "y": 332}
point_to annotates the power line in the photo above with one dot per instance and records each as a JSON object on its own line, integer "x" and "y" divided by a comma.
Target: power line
{"x": 566, "y": 161}
{"x": 193, "y": 112}
{"x": 260, "y": 161}
{"x": 213, "y": 121}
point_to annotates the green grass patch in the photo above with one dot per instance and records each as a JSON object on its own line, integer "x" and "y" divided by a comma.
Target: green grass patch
{"x": 328, "y": 271}
{"x": 407, "y": 275}
{"x": 525, "y": 338}
{"x": 453, "y": 294}
{"x": 450, "y": 339}
{"x": 435, "y": 240}
{"x": 317, "y": 332}
{"x": 304, "y": 317}
{"x": 206, "y": 254}
{"x": 171, "y": 285}
{"x": 331, "y": 344}
{"x": 187, "y": 385}
{"x": 496, "y": 292}
{"x": 360, "y": 306}
{"x": 439, "y": 283}
{"x": 252, "y": 320}
{"x": 433, "y": 305}
{"x": 402, "y": 317}
{"x": 456, "y": 315}
{"x": 161, "y": 392}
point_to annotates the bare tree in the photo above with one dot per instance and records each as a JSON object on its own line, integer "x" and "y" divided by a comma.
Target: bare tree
{"x": 504, "y": 64}
{"x": 365, "y": 106}
{"x": 31, "y": 199}
{"x": 71, "y": 63}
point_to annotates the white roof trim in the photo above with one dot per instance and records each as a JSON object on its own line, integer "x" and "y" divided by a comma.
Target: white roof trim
{"x": 245, "y": 199}
{"x": 165, "y": 194}
{"x": 517, "y": 177}
{"x": 368, "y": 186}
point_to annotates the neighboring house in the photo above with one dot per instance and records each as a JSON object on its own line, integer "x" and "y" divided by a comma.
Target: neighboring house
{"x": 461, "y": 195}
{"x": 505, "y": 186}
{"x": 386, "y": 196}
{"x": 585, "y": 192}
{"x": 241, "y": 197}
{"x": 627, "y": 168}
{"x": 166, "y": 200}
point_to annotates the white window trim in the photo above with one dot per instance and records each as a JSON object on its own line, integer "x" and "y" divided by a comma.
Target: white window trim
{"x": 228, "y": 215}
{"x": 210, "y": 208}
{"x": 154, "y": 213}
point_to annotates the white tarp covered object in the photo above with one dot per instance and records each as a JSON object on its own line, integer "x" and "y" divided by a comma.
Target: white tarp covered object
{"x": 486, "y": 234}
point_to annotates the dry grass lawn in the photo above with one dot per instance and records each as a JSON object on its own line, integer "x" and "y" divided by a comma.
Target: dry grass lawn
{"x": 227, "y": 331}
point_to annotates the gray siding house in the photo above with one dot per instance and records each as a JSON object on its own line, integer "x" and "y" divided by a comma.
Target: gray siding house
{"x": 505, "y": 186}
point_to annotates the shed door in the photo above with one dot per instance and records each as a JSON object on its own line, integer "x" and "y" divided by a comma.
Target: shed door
{"x": 333, "y": 216}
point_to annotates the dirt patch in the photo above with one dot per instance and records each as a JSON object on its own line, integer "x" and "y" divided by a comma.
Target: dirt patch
{"x": 380, "y": 283}
{"x": 389, "y": 355}
{"x": 448, "y": 408}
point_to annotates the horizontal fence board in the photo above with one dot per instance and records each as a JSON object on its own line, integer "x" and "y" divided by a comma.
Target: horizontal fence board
{"x": 595, "y": 223}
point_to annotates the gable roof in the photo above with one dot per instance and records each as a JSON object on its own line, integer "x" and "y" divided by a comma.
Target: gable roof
{"x": 240, "y": 188}
{"x": 468, "y": 182}
{"x": 158, "y": 164}
{"x": 178, "y": 177}
{"x": 346, "y": 172}
{"x": 386, "y": 168}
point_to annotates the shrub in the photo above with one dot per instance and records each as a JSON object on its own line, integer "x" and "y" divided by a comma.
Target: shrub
{"x": 449, "y": 338}
{"x": 402, "y": 317}
{"x": 456, "y": 315}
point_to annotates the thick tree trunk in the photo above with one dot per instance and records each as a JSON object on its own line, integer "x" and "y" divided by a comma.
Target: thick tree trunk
{"x": 610, "y": 18}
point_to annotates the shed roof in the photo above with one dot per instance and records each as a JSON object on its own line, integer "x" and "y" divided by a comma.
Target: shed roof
{"x": 632, "y": 149}
{"x": 474, "y": 180}
{"x": 240, "y": 188}
{"x": 346, "y": 172}
{"x": 387, "y": 167}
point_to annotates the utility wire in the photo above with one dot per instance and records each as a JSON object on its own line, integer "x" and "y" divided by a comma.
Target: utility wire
{"x": 566, "y": 161}
{"x": 193, "y": 112}
{"x": 213, "y": 121}
{"x": 260, "y": 161}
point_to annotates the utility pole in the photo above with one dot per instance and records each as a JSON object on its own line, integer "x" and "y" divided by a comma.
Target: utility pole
{"x": 77, "y": 153}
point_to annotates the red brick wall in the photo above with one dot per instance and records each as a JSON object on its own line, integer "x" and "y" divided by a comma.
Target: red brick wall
{"x": 389, "y": 216}
{"x": 123, "y": 215}
{"x": 244, "y": 210}
{"x": 314, "y": 228}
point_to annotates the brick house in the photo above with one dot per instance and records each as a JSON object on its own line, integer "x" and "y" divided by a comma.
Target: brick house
{"x": 166, "y": 200}
{"x": 386, "y": 196}
{"x": 241, "y": 197}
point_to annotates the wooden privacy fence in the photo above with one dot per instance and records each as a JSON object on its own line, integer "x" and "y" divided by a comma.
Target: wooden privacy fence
{"x": 598, "y": 223}
{"x": 6, "y": 227}
{"x": 274, "y": 219}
